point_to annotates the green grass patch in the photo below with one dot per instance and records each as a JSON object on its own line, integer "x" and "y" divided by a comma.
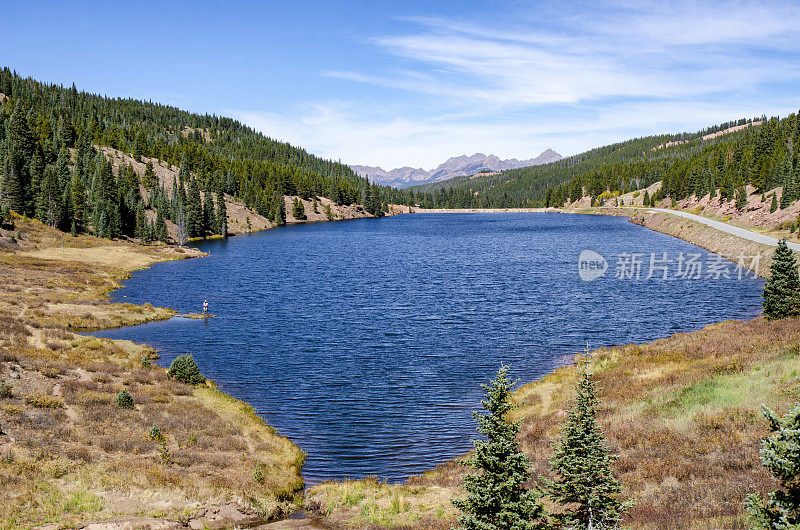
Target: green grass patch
{"x": 745, "y": 389}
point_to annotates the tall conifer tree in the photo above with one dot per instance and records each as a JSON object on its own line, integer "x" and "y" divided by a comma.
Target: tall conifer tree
{"x": 780, "y": 453}
{"x": 222, "y": 215}
{"x": 78, "y": 197}
{"x": 279, "y": 211}
{"x": 584, "y": 485}
{"x": 11, "y": 191}
{"x": 782, "y": 290}
{"x": 48, "y": 205}
{"x": 209, "y": 219}
{"x": 194, "y": 210}
{"x": 496, "y": 496}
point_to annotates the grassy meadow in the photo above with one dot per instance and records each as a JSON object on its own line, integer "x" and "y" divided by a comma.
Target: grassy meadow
{"x": 68, "y": 454}
{"x": 683, "y": 413}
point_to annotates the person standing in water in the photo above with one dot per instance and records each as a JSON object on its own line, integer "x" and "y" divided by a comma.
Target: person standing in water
{"x": 205, "y": 307}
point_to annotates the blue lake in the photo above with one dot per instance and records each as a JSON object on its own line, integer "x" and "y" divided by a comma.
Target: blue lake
{"x": 365, "y": 342}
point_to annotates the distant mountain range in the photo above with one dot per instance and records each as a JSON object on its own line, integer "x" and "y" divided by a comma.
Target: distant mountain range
{"x": 458, "y": 166}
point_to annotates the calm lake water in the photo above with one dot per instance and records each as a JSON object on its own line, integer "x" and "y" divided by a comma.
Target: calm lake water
{"x": 365, "y": 342}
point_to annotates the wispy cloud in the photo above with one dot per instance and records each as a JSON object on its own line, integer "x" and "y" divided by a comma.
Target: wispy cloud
{"x": 571, "y": 77}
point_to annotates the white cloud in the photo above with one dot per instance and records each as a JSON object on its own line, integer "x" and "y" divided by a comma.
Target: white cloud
{"x": 573, "y": 79}
{"x": 341, "y": 132}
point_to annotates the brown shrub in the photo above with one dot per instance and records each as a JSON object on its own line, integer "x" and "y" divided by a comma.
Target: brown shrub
{"x": 79, "y": 453}
{"x": 43, "y": 401}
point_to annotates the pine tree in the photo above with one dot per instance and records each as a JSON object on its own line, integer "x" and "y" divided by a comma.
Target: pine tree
{"x": 298, "y": 210}
{"x": 36, "y": 174}
{"x": 584, "y": 485}
{"x": 222, "y": 215}
{"x": 160, "y": 227}
{"x": 149, "y": 180}
{"x": 194, "y": 210}
{"x": 782, "y": 289}
{"x": 11, "y": 191}
{"x": 48, "y": 204}
{"x": 209, "y": 219}
{"x": 774, "y": 204}
{"x": 62, "y": 168}
{"x": 780, "y": 453}
{"x": 64, "y": 134}
{"x": 789, "y": 191}
{"x": 6, "y": 219}
{"x": 78, "y": 197}
{"x": 279, "y": 212}
{"x": 366, "y": 196}
{"x": 741, "y": 198}
{"x": 183, "y": 172}
{"x": 142, "y": 227}
{"x": 21, "y": 149}
{"x": 496, "y": 497}
{"x": 336, "y": 193}
{"x": 646, "y": 199}
{"x": 65, "y": 222}
{"x": 114, "y": 222}
{"x": 377, "y": 202}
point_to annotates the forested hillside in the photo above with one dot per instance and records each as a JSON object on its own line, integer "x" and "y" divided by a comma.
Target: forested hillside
{"x": 54, "y": 143}
{"x": 54, "y": 168}
{"x": 720, "y": 160}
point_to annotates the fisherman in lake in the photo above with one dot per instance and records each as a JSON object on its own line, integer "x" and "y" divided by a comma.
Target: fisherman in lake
{"x": 205, "y": 307}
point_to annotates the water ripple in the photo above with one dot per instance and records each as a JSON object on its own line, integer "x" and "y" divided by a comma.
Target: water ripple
{"x": 365, "y": 342}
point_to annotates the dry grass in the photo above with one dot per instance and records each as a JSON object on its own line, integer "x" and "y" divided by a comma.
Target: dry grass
{"x": 683, "y": 413}
{"x": 371, "y": 503}
{"x": 76, "y": 456}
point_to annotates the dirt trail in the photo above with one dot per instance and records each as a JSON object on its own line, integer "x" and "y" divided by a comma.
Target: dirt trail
{"x": 69, "y": 411}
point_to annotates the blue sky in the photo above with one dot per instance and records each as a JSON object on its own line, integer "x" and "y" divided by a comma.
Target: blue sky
{"x": 413, "y": 83}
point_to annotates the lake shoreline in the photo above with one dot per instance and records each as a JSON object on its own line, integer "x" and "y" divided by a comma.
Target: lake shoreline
{"x": 546, "y": 397}
{"x": 66, "y": 283}
{"x": 314, "y": 497}
{"x": 425, "y": 487}
{"x": 726, "y": 245}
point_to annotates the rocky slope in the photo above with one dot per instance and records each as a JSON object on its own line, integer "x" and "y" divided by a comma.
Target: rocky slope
{"x": 241, "y": 219}
{"x": 457, "y": 166}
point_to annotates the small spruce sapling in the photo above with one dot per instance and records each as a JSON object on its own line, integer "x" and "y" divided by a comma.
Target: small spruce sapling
{"x": 584, "y": 485}
{"x": 155, "y": 433}
{"x": 496, "y": 496}
{"x": 124, "y": 400}
{"x": 184, "y": 369}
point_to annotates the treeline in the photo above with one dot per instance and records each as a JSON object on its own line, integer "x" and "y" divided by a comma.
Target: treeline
{"x": 763, "y": 156}
{"x": 53, "y": 170}
{"x": 526, "y": 187}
